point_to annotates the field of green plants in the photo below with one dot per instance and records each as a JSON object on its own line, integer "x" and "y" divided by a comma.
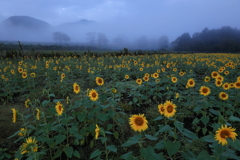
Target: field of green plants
{"x": 109, "y": 106}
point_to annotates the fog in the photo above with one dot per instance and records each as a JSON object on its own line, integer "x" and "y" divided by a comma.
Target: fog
{"x": 136, "y": 24}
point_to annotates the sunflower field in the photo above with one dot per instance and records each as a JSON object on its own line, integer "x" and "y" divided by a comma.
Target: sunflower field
{"x": 109, "y": 106}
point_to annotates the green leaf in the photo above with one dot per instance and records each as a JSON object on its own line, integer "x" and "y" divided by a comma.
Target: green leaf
{"x": 179, "y": 125}
{"x": 132, "y": 140}
{"x": 235, "y": 144}
{"x": 81, "y": 116}
{"x": 203, "y": 155}
{"x": 160, "y": 145}
{"x": 127, "y": 156}
{"x": 188, "y": 155}
{"x": 214, "y": 112}
{"x": 205, "y": 120}
{"x": 103, "y": 139}
{"x": 234, "y": 119}
{"x": 189, "y": 134}
{"x": 58, "y": 100}
{"x": 165, "y": 128}
{"x": 149, "y": 153}
{"x": 135, "y": 99}
{"x": 198, "y": 108}
{"x": 103, "y": 117}
{"x": 204, "y": 130}
{"x": 158, "y": 118}
{"x": 208, "y": 138}
{"x": 76, "y": 154}
{"x": 69, "y": 151}
{"x": 95, "y": 154}
{"x": 195, "y": 121}
{"x": 112, "y": 148}
{"x": 45, "y": 103}
{"x": 172, "y": 147}
{"x": 116, "y": 134}
{"x": 59, "y": 139}
{"x": 57, "y": 154}
{"x": 151, "y": 137}
{"x": 218, "y": 149}
{"x": 230, "y": 154}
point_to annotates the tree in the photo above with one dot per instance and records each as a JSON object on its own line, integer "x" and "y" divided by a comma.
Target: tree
{"x": 102, "y": 39}
{"x": 91, "y": 38}
{"x": 61, "y": 37}
{"x": 163, "y": 42}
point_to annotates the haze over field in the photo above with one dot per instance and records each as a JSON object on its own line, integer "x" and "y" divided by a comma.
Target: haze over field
{"x": 120, "y": 21}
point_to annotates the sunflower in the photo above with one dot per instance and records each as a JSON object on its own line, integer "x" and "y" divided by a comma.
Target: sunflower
{"x": 38, "y": 114}
{"x": 24, "y": 74}
{"x": 26, "y": 103}
{"x": 174, "y": 69}
{"x": 157, "y": 80}
{"x": 33, "y": 74}
{"x": 218, "y": 83}
{"x": 145, "y": 78}
{"x": 214, "y": 74}
{"x": 237, "y": 84}
{"x": 20, "y": 70}
{"x": 177, "y": 95}
{"x": 14, "y": 115}
{"x": 158, "y": 70}
{"x": 169, "y": 109}
{"x": 139, "y": 81}
{"x": 146, "y": 75}
{"x": 226, "y": 86}
{"x": 29, "y": 146}
{"x": 219, "y": 77}
{"x": 223, "y": 133}
{"x": 204, "y": 90}
{"x": 126, "y": 76}
{"x": 161, "y": 109}
{"x": 223, "y": 95}
{"x": 141, "y": 69}
{"x": 76, "y": 88}
{"x": 174, "y": 79}
{"x": 97, "y": 131}
{"x": 99, "y": 81}
{"x": 93, "y": 95}
{"x": 22, "y": 132}
{"x": 207, "y": 79}
{"x": 238, "y": 78}
{"x": 12, "y": 71}
{"x": 191, "y": 83}
{"x": 138, "y": 122}
{"x": 181, "y": 73}
{"x": 226, "y": 72}
{"x": 155, "y": 75}
{"x": 59, "y": 108}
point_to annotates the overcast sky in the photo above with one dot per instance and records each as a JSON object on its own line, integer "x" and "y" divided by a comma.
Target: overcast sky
{"x": 170, "y": 17}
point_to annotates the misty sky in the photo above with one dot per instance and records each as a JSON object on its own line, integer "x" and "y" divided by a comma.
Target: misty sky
{"x": 168, "y": 17}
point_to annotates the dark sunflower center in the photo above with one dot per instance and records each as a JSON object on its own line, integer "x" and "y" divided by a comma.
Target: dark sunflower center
{"x": 224, "y": 134}
{"x": 99, "y": 80}
{"x": 59, "y": 108}
{"x": 191, "y": 82}
{"x": 215, "y": 74}
{"x": 205, "y": 90}
{"x": 238, "y": 84}
{"x": 94, "y": 95}
{"x": 224, "y": 95}
{"x": 76, "y": 88}
{"x": 139, "y": 121}
{"x": 170, "y": 108}
{"x": 218, "y": 82}
{"x": 162, "y": 109}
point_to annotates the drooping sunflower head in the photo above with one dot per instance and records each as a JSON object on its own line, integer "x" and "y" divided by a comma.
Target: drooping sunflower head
{"x": 27, "y": 103}
{"x": 214, "y": 74}
{"x": 169, "y": 109}
{"x": 161, "y": 109}
{"x": 223, "y": 95}
{"x": 139, "y": 81}
{"x": 93, "y": 95}
{"x": 191, "y": 83}
{"x": 29, "y": 146}
{"x": 138, "y": 122}
{"x": 97, "y": 131}
{"x": 99, "y": 81}
{"x": 204, "y": 90}
{"x": 223, "y": 133}
{"x": 59, "y": 108}
{"x": 76, "y": 88}
{"x": 38, "y": 114}
{"x": 14, "y": 119}
{"x": 22, "y": 132}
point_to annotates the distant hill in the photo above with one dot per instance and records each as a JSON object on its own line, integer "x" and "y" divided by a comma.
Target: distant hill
{"x": 79, "y": 23}
{"x": 25, "y": 22}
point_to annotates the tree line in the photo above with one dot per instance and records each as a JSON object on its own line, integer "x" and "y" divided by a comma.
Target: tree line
{"x": 225, "y": 39}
